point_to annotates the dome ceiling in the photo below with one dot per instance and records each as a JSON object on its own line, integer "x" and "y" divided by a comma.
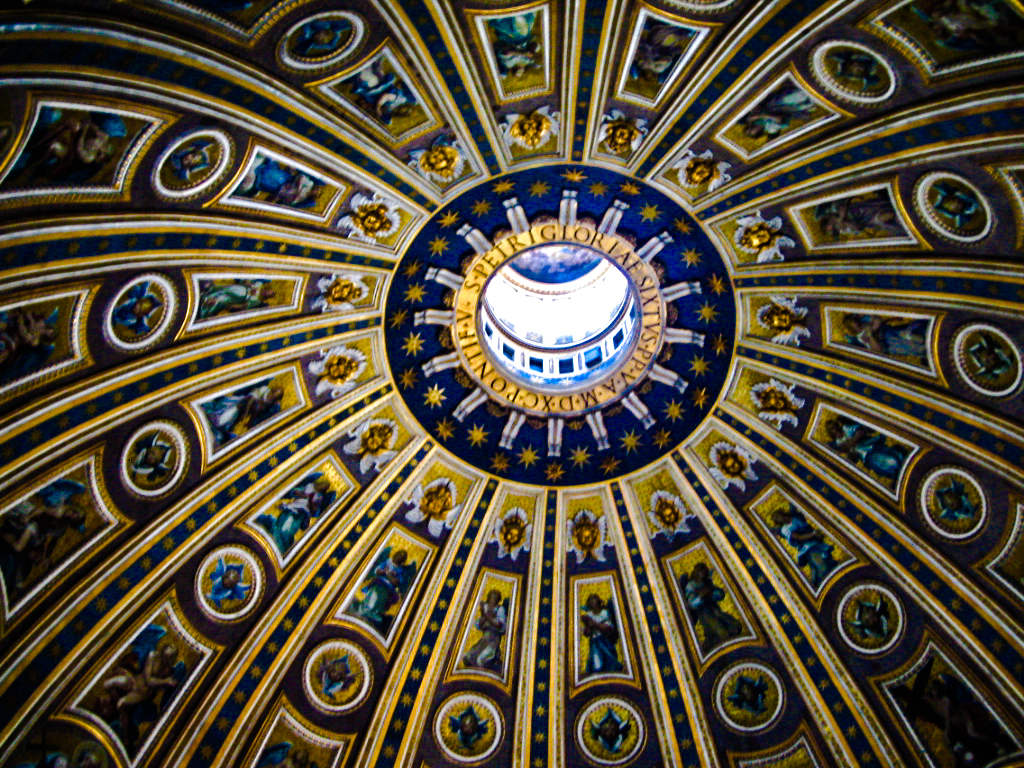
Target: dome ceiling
{"x": 266, "y": 500}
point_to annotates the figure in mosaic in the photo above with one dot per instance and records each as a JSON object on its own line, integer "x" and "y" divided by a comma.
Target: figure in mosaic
{"x": 611, "y": 730}
{"x": 383, "y": 94}
{"x": 227, "y": 583}
{"x": 468, "y": 726}
{"x": 973, "y": 25}
{"x": 777, "y": 112}
{"x": 321, "y": 37}
{"x": 26, "y": 342}
{"x": 88, "y": 754}
{"x": 492, "y": 624}
{"x": 232, "y": 415}
{"x": 599, "y": 627}
{"x": 305, "y": 502}
{"x": 812, "y": 551}
{"x": 954, "y": 502}
{"x": 193, "y": 158}
{"x": 989, "y": 356}
{"x": 868, "y": 215}
{"x": 749, "y": 694}
{"x": 871, "y": 620}
{"x": 703, "y": 602}
{"x": 866, "y": 447}
{"x": 137, "y": 309}
{"x": 272, "y": 182}
{"x": 386, "y": 587}
{"x": 216, "y": 298}
{"x": 285, "y": 755}
{"x": 660, "y": 47}
{"x": 334, "y": 675}
{"x": 885, "y": 335}
{"x": 516, "y": 48}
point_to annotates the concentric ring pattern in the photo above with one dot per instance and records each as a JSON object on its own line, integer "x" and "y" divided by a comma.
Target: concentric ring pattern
{"x": 266, "y": 501}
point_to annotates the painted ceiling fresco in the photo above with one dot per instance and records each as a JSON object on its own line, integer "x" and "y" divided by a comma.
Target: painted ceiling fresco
{"x": 263, "y": 501}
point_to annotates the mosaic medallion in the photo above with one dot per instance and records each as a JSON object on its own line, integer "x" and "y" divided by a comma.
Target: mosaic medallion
{"x": 468, "y": 728}
{"x": 953, "y": 207}
{"x": 229, "y": 583}
{"x": 987, "y": 360}
{"x": 498, "y": 374}
{"x": 192, "y": 164}
{"x": 154, "y": 459}
{"x": 853, "y": 72}
{"x": 870, "y": 618}
{"x": 337, "y": 676}
{"x": 140, "y": 315}
{"x": 321, "y": 40}
{"x": 749, "y": 696}
{"x": 953, "y": 503}
{"x": 610, "y": 731}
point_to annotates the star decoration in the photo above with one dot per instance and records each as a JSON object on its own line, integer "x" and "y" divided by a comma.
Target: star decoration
{"x": 554, "y": 472}
{"x": 481, "y": 207}
{"x": 414, "y": 293}
{"x": 435, "y": 396}
{"x": 439, "y": 245}
{"x": 717, "y": 284}
{"x": 609, "y": 465}
{"x": 629, "y": 188}
{"x": 477, "y": 435}
{"x": 413, "y": 344}
{"x": 539, "y": 188}
{"x": 444, "y": 428}
{"x": 449, "y": 219}
{"x": 580, "y": 456}
{"x": 718, "y": 344}
{"x": 574, "y": 174}
{"x": 408, "y": 378}
{"x": 682, "y": 225}
{"x": 411, "y": 269}
{"x": 503, "y": 186}
{"x": 699, "y": 365}
{"x": 691, "y": 257}
{"x": 662, "y": 438}
{"x": 499, "y": 462}
{"x": 630, "y": 441}
{"x": 650, "y": 212}
{"x": 528, "y": 456}
{"x": 673, "y": 411}
{"x": 398, "y": 318}
{"x": 700, "y": 397}
{"x": 598, "y": 189}
{"x": 707, "y": 313}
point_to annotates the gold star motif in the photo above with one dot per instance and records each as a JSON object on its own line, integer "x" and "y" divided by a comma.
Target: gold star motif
{"x": 414, "y": 293}
{"x": 650, "y": 213}
{"x": 449, "y": 219}
{"x": 691, "y": 257}
{"x": 598, "y": 189}
{"x": 481, "y": 207}
{"x": 503, "y": 186}
{"x": 717, "y": 284}
{"x": 662, "y": 438}
{"x": 499, "y": 462}
{"x": 574, "y": 174}
{"x": 477, "y": 435}
{"x": 673, "y": 411}
{"x": 411, "y": 269}
{"x": 700, "y": 397}
{"x": 718, "y": 344}
{"x": 444, "y": 428}
{"x": 554, "y": 472}
{"x": 699, "y": 365}
{"x": 413, "y": 344}
{"x": 435, "y": 396}
{"x": 682, "y": 225}
{"x": 580, "y": 456}
{"x": 528, "y": 456}
{"x": 398, "y": 318}
{"x": 539, "y": 188}
{"x": 630, "y": 441}
{"x": 609, "y": 465}
{"x": 408, "y": 378}
{"x": 439, "y": 245}
{"x": 707, "y": 312}
{"x": 629, "y": 188}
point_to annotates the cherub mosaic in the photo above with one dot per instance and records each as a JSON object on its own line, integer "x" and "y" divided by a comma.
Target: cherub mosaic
{"x": 374, "y": 219}
{"x": 337, "y": 676}
{"x": 699, "y": 174}
{"x": 443, "y": 162}
{"x": 749, "y": 697}
{"x": 755, "y": 239}
{"x": 516, "y": 47}
{"x": 488, "y": 635}
{"x": 661, "y": 46}
{"x": 894, "y": 338}
{"x": 468, "y": 728}
{"x": 869, "y": 217}
{"x": 619, "y": 135}
{"x": 853, "y": 72}
{"x": 771, "y": 400}
{"x": 226, "y": 299}
{"x": 346, "y": 292}
{"x": 779, "y": 318}
{"x": 531, "y": 133}
{"x": 321, "y": 40}
{"x": 192, "y": 164}
{"x": 291, "y": 741}
{"x": 987, "y": 360}
{"x": 435, "y": 503}
{"x": 953, "y": 503}
{"x": 588, "y": 536}
{"x": 953, "y": 207}
{"x": 600, "y": 635}
{"x": 229, "y": 583}
{"x": 870, "y": 618}
{"x": 513, "y": 530}
{"x": 154, "y": 460}
{"x": 141, "y": 313}
{"x": 610, "y": 731}
{"x": 374, "y": 443}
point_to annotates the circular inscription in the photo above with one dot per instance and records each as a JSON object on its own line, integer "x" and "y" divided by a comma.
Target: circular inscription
{"x": 953, "y": 503}
{"x": 154, "y": 459}
{"x": 987, "y": 359}
{"x": 853, "y": 72}
{"x": 468, "y": 728}
{"x": 229, "y": 583}
{"x": 337, "y": 676}
{"x": 870, "y": 618}
{"x": 953, "y": 207}
{"x": 141, "y": 313}
{"x": 749, "y": 697}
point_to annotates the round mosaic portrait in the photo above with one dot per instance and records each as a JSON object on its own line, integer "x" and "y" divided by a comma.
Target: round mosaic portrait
{"x": 749, "y": 696}
{"x": 140, "y": 315}
{"x": 953, "y": 503}
{"x": 192, "y": 164}
{"x": 987, "y": 359}
{"x": 953, "y": 207}
{"x": 154, "y": 459}
{"x": 853, "y": 72}
{"x": 321, "y": 40}
{"x": 468, "y": 728}
{"x": 337, "y": 676}
{"x": 229, "y": 583}
{"x": 870, "y": 618}
{"x": 610, "y": 731}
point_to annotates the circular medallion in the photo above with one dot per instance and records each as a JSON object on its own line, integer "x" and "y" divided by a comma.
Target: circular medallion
{"x": 192, "y": 164}
{"x": 953, "y": 503}
{"x": 853, "y": 72}
{"x": 229, "y": 583}
{"x": 321, "y": 40}
{"x": 749, "y": 696}
{"x": 987, "y": 359}
{"x": 870, "y": 618}
{"x": 953, "y": 207}
{"x": 468, "y": 728}
{"x": 141, "y": 313}
{"x": 154, "y": 459}
{"x": 560, "y": 321}
{"x": 337, "y": 676}
{"x": 610, "y": 731}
